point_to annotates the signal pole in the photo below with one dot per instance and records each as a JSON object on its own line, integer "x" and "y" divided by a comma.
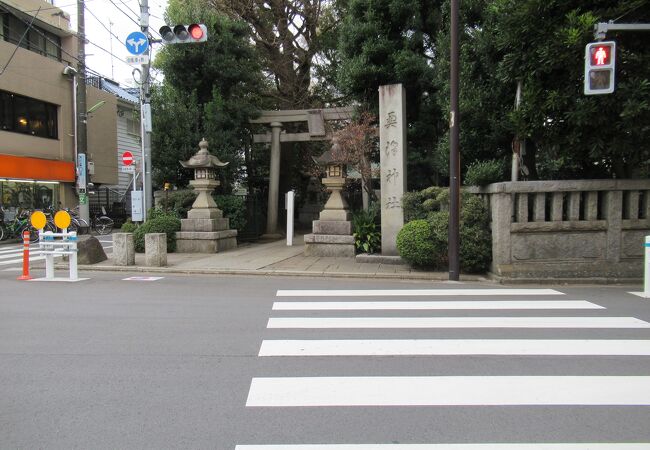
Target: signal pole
{"x": 82, "y": 132}
{"x": 145, "y": 113}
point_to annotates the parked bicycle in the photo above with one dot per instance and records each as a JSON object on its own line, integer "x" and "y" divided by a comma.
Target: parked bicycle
{"x": 13, "y": 229}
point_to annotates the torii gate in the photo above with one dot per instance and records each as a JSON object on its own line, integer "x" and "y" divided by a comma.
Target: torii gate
{"x": 315, "y": 119}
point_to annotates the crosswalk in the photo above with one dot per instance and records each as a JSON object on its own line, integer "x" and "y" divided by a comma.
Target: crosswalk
{"x": 11, "y": 255}
{"x": 524, "y": 311}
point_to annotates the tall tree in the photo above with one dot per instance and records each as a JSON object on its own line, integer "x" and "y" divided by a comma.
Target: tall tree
{"x": 210, "y": 90}
{"x": 286, "y": 34}
{"x": 392, "y": 41}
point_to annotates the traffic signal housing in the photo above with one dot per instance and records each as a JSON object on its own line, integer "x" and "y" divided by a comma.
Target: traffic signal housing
{"x": 184, "y": 34}
{"x": 600, "y": 62}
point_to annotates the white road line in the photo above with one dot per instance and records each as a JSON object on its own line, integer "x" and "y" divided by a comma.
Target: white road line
{"x": 456, "y": 322}
{"x": 423, "y": 305}
{"x": 491, "y": 446}
{"x": 12, "y": 250}
{"x": 415, "y": 347}
{"x": 449, "y": 391}
{"x": 411, "y": 292}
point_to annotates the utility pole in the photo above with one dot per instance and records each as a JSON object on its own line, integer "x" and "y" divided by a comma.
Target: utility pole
{"x": 454, "y": 152}
{"x": 145, "y": 105}
{"x": 82, "y": 133}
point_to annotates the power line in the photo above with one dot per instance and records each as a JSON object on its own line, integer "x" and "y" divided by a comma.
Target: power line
{"x": 102, "y": 24}
{"x": 129, "y": 17}
{"x": 19, "y": 42}
{"x": 48, "y": 8}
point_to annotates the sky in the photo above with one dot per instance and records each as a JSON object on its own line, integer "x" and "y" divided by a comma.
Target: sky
{"x": 122, "y": 18}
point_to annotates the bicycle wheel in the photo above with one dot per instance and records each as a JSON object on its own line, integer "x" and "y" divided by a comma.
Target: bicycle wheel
{"x": 82, "y": 226}
{"x": 103, "y": 225}
{"x": 3, "y": 234}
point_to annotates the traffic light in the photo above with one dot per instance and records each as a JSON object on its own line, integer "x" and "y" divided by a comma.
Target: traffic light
{"x": 600, "y": 62}
{"x": 184, "y": 34}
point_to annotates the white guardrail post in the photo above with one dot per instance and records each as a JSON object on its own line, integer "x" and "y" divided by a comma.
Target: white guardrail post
{"x": 646, "y": 278}
{"x": 290, "y": 205}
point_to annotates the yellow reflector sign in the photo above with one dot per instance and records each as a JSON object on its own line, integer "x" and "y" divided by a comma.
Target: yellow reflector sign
{"x": 38, "y": 220}
{"x": 62, "y": 220}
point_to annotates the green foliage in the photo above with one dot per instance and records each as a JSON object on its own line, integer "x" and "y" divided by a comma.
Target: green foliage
{"x": 416, "y": 243}
{"x": 482, "y": 173}
{"x": 158, "y": 222}
{"x": 431, "y": 206}
{"x": 234, "y": 208}
{"x": 178, "y": 201}
{"x": 128, "y": 227}
{"x": 210, "y": 90}
{"x": 366, "y": 230}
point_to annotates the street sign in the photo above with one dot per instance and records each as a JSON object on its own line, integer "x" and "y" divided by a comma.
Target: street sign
{"x": 137, "y": 60}
{"x": 136, "y": 206}
{"x": 127, "y": 169}
{"x": 137, "y": 43}
{"x": 127, "y": 158}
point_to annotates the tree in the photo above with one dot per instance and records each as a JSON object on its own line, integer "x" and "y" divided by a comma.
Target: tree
{"x": 541, "y": 43}
{"x": 210, "y": 90}
{"x": 392, "y": 41}
{"x": 287, "y": 37}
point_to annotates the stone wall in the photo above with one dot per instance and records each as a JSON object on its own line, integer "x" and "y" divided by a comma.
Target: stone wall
{"x": 568, "y": 230}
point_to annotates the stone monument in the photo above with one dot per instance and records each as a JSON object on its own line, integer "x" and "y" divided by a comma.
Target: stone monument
{"x": 392, "y": 145}
{"x": 332, "y": 233}
{"x": 205, "y": 230}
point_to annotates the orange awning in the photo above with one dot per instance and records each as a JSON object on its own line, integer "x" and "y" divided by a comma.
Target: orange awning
{"x": 36, "y": 168}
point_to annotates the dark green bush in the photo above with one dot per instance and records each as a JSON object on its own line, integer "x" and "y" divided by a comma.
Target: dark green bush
{"x": 475, "y": 237}
{"x": 161, "y": 223}
{"x": 482, "y": 173}
{"x": 128, "y": 227}
{"x": 415, "y": 243}
{"x": 178, "y": 202}
{"x": 366, "y": 230}
{"x": 234, "y": 208}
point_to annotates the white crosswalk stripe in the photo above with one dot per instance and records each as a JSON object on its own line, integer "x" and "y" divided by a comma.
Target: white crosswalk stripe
{"x": 370, "y": 390}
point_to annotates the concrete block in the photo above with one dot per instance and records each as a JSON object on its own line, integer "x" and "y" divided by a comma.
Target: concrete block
{"x": 90, "y": 250}
{"x": 335, "y": 215}
{"x": 155, "y": 249}
{"x": 204, "y": 213}
{"x": 123, "y": 249}
{"x": 319, "y": 249}
{"x": 332, "y": 227}
{"x": 205, "y": 224}
{"x": 206, "y": 235}
{"x": 328, "y": 239}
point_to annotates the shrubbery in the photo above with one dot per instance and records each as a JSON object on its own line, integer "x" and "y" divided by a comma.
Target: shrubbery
{"x": 366, "y": 230}
{"x": 178, "y": 201}
{"x": 128, "y": 227}
{"x": 424, "y": 240}
{"x": 482, "y": 173}
{"x": 158, "y": 222}
{"x": 234, "y": 208}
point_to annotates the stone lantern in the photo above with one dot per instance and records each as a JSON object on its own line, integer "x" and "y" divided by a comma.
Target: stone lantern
{"x": 332, "y": 233}
{"x": 205, "y": 230}
{"x": 336, "y": 207}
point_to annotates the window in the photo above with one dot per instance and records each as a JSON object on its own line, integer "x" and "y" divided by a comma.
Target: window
{"x": 28, "y": 116}
{"x": 36, "y": 40}
{"x": 133, "y": 127}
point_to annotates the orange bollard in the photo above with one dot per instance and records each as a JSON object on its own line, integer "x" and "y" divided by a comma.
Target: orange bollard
{"x": 25, "y": 275}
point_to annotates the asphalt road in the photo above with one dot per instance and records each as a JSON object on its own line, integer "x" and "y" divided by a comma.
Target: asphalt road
{"x": 174, "y": 363}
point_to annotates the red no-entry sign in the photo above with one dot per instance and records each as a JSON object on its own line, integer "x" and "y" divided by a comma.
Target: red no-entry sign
{"x": 127, "y": 158}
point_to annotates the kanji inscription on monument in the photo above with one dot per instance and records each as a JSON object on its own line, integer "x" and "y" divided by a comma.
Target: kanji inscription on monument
{"x": 392, "y": 140}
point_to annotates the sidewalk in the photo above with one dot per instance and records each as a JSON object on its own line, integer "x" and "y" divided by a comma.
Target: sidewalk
{"x": 276, "y": 258}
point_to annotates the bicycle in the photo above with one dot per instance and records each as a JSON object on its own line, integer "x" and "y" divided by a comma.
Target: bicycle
{"x": 16, "y": 227}
{"x": 102, "y": 224}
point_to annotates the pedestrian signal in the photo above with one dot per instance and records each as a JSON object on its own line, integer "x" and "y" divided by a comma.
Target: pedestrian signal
{"x": 600, "y": 62}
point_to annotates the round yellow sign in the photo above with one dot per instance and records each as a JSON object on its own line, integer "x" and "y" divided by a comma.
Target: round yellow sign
{"x": 62, "y": 219}
{"x": 38, "y": 220}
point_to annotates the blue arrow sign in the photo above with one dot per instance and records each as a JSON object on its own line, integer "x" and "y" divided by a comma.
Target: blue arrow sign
{"x": 137, "y": 43}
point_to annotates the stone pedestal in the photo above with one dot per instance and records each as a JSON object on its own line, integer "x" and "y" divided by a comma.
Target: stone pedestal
{"x": 155, "y": 249}
{"x": 332, "y": 234}
{"x": 123, "y": 249}
{"x": 205, "y": 230}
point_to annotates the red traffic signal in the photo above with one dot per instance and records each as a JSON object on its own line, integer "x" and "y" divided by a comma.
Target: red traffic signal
{"x": 600, "y": 63}
{"x": 184, "y": 34}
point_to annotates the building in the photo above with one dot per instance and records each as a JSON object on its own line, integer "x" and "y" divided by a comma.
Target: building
{"x": 37, "y": 110}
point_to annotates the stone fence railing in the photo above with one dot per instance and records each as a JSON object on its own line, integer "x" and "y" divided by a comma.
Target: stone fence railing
{"x": 581, "y": 229}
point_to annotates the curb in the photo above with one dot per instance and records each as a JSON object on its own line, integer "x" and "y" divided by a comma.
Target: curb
{"x": 435, "y": 276}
